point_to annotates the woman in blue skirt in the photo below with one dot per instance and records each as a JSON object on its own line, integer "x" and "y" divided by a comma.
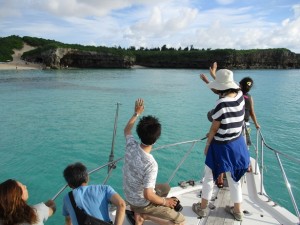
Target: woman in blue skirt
{"x": 225, "y": 150}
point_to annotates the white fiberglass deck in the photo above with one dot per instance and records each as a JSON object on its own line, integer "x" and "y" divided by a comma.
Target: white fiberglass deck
{"x": 258, "y": 209}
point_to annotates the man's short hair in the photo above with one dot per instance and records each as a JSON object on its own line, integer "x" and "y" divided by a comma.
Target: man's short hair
{"x": 148, "y": 129}
{"x": 76, "y": 174}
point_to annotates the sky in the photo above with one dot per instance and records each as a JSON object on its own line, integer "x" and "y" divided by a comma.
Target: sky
{"x": 215, "y": 24}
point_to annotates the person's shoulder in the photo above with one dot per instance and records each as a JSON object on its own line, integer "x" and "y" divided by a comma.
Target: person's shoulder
{"x": 128, "y": 136}
{"x": 239, "y": 93}
{"x": 98, "y": 187}
{"x": 40, "y": 206}
{"x": 66, "y": 196}
{"x": 42, "y": 211}
{"x": 247, "y": 96}
{"x": 151, "y": 161}
{"x": 131, "y": 143}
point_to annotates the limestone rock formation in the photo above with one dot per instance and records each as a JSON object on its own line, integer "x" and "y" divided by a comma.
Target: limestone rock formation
{"x": 232, "y": 59}
{"x": 65, "y": 57}
{"x": 59, "y": 58}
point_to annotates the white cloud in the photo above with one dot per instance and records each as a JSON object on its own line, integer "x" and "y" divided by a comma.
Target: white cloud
{"x": 238, "y": 28}
{"x": 287, "y": 35}
{"x": 176, "y": 23}
{"x": 90, "y": 8}
{"x": 73, "y": 8}
{"x": 9, "y": 9}
{"x": 162, "y": 25}
{"x": 243, "y": 29}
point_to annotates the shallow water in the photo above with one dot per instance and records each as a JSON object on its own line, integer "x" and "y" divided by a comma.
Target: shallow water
{"x": 53, "y": 118}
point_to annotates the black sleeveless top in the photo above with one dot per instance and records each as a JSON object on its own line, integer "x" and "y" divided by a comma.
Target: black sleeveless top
{"x": 247, "y": 98}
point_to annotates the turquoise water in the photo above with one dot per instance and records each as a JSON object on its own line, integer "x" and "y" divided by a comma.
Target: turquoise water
{"x": 53, "y": 118}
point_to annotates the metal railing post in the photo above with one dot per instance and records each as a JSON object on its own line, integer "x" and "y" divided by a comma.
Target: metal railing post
{"x": 262, "y": 167}
{"x": 256, "y": 152}
{"x": 180, "y": 163}
{"x": 111, "y": 156}
{"x": 112, "y": 163}
{"x": 288, "y": 186}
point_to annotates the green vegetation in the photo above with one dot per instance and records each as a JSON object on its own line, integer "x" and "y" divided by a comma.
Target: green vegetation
{"x": 199, "y": 58}
{"x": 145, "y": 54}
{"x": 7, "y": 44}
{"x": 39, "y": 42}
{"x": 158, "y": 56}
{"x": 45, "y": 44}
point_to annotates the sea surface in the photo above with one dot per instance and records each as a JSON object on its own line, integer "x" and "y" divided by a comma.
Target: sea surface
{"x": 52, "y": 118}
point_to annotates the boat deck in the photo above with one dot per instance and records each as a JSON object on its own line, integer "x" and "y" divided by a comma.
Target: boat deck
{"x": 258, "y": 209}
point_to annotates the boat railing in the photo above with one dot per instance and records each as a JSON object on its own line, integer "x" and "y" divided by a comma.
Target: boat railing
{"x": 260, "y": 144}
{"x": 112, "y": 164}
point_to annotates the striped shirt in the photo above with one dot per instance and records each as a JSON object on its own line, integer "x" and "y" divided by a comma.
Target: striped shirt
{"x": 230, "y": 112}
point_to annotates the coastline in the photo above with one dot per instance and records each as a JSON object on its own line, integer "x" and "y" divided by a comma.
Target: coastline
{"x": 138, "y": 67}
{"x": 18, "y": 64}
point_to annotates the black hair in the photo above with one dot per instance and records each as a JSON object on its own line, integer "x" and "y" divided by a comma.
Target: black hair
{"x": 246, "y": 84}
{"x": 148, "y": 129}
{"x": 76, "y": 174}
{"x": 222, "y": 93}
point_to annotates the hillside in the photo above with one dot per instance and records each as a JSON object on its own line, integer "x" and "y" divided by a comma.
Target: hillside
{"x": 38, "y": 52}
{"x": 17, "y": 62}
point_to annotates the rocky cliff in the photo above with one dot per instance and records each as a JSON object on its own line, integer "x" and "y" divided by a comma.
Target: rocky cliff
{"x": 264, "y": 59}
{"x": 65, "y": 57}
{"x": 232, "y": 59}
{"x": 58, "y": 58}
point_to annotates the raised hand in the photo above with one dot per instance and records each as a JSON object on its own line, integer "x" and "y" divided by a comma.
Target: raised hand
{"x": 213, "y": 69}
{"x": 139, "y": 106}
{"x": 204, "y": 78}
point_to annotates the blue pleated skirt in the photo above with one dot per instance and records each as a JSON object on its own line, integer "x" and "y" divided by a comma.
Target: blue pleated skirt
{"x": 231, "y": 157}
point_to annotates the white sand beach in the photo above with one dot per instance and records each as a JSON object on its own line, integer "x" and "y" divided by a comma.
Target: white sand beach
{"x": 17, "y": 63}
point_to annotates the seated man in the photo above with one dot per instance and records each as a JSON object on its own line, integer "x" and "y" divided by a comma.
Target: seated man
{"x": 93, "y": 199}
{"x": 140, "y": 172}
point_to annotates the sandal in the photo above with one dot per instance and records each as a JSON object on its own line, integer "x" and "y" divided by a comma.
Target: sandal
{"x": 191, "y": 182}
{"x": 237, "y": 216}
{"x": 197, "y": 209}
{"x": 183, "y": 184}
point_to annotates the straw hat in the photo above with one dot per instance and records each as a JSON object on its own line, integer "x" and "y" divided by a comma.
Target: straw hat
{"x": 224, "y": 80}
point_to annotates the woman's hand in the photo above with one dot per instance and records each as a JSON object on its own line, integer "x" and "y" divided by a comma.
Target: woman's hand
{"x": 213, "y": 69}
{"x": 204, "y": 78}
{"x": 52, "y": 206}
